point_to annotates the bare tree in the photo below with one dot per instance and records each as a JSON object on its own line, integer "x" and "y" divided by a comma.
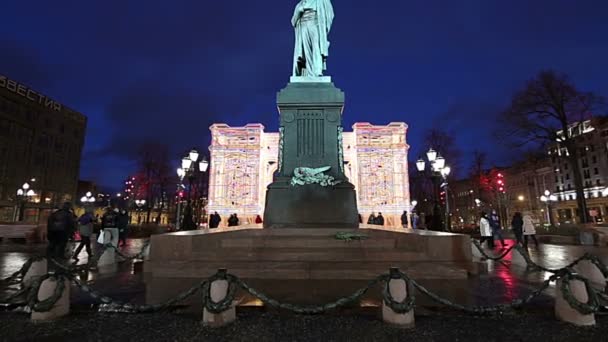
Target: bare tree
{"x": 444, "y": 143}
{"x": 154, "y": 176}
{"x": 551, "y": 110}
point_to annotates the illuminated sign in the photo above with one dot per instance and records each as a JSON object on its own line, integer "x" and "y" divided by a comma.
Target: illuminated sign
{"x": 28, "y": 93}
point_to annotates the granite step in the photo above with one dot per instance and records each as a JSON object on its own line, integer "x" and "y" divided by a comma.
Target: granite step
{"x": 302, "y": 254}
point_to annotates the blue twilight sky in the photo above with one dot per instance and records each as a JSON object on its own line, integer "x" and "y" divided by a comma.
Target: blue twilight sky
{"x": 167, "y": 70}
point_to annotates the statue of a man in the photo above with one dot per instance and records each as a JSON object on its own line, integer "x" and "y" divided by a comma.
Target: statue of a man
{"x": 312, "y": 21}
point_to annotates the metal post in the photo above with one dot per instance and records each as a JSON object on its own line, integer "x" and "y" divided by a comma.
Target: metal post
{"x": 447, "y": 207}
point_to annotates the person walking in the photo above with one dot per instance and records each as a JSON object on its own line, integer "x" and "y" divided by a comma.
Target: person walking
{"x": 529, "y": 230}
{"x": 486, "y": 230}
{"x": 404, "y": 219}
{"x": 380, "y": 219}
{"x": 415, "y": 220}
{"x": 109, "y": 224}
{"x": 122, "y": 223}
{"x": 517, "y": 223}
{"x": 85, "y": 229}
{"x": 60, "y": 226}
{"x": 496, "y": 229}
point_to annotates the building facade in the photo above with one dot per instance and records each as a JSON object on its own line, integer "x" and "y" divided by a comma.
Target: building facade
{"x": 244, "y": 160}
{"x": 591, "y": 137}
{"x": 41, "y": 143}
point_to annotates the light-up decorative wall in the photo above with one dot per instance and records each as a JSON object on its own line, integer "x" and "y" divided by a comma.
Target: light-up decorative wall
{"x": 244, "y": 159}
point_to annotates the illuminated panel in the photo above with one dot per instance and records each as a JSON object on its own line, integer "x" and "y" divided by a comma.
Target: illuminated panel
{"x": 244, "y": 159}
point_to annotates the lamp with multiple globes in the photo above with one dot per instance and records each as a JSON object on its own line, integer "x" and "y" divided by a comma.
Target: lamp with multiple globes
{"x": 191, "y": 168}
{"x": 547, "y": 198}
{"x": 25, "y": 193}
{"x": 88, "y": 198}
{"x": 439, "y": 171}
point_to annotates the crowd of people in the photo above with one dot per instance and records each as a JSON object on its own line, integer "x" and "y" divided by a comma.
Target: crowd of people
{"x": 63, "y": 224}
{"x": 522, "y": 225}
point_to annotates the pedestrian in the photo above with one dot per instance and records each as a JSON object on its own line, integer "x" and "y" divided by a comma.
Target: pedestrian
{"x": 85, "y": 229}
{"x": 122, "y": 224}
{"x": 60, "y": 226}
{"x": 380, "y": 219}
{"x": 233, "y": 220}
{"x": 258, "y": 219}
{"x": 517, "y": 223}
{"x": 529, "y": 230}
{"x": 214, "y": 220}
{"x": 415, "y": 220}
{"x": 496, "y": 229}
{"x": 404, "y": 219}
{"x": 486, "y": 230}
{"x": 109, "y": 224}
{"x": 372, "y": 218}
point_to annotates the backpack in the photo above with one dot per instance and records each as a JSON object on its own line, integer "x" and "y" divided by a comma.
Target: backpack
{"x": 109, "y": 220}
{"x": 85, "y": 219}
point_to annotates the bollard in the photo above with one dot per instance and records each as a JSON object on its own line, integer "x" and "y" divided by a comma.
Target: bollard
{"x": 218, "y": 291}
{"x": 60, "y": 308}
{"x": 146, "y": 252}
{"x": 37, "y": 269}
{"x": 476, "y": 253}
{"x": 563, "y": 310}
{"x": 398, "y": 290}
{"x": 589, "y": 270}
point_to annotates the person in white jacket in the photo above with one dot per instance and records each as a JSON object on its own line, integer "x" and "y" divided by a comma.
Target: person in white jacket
{"x": 529, "y": 230}
{"x": 485, "y": 230}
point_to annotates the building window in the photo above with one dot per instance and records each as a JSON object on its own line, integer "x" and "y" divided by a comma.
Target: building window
{"x": 596, "y": 171}
{"x": 566, "y": 166}
{"x": 594, "y": 159}
{"x": 598, "y": 182}
{"x": 567, "y": 176}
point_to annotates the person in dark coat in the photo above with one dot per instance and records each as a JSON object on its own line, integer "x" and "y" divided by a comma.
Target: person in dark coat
{"x": 233, "y": 221}
{"x": 517, "y": 223}
{"x": 380, "y": 219}
{"x": 404, "y": 220}
{"x": 60, "y": 226}
{"x": 372, "y": 218}
{"x": 214, "y": 220}
{"x": 122, "y": 222}
{"x": 496, "y": 229}
{"x": 85, "y": 228}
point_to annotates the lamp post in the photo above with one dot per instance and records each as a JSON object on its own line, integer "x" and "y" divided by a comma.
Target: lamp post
{"x": 191, "y": 168}
{"x": 87, "y": 199}
{"x": 439, "y": 172}
{"x": 24, "y": 194}
{"x": 139, "y": 203}
{"x": 547, "y": 198}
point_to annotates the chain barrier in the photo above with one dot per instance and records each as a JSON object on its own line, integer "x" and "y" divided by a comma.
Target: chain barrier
{"x": 18, "y": 276}
{"x": 532, "y": 265}
{"x": 310, "y": 310}
{"x": 406, "y": 305}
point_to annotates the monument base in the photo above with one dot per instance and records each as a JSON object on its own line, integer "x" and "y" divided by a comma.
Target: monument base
{"x": 310, "y": 206}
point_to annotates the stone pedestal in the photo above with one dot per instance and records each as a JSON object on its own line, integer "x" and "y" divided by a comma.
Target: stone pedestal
{"x": 37, "y": 269}
{"x": 563, "y": 310}
{"x": 218, "y": 291}
{"x": 61, "y": 307}
{"x": 310, "y": 136}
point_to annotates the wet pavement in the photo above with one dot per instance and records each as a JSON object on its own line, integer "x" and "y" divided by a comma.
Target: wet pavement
{"x": 503, "y": 282}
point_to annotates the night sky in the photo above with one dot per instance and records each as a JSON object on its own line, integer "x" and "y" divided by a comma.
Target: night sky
{"x": 167, "y": 70}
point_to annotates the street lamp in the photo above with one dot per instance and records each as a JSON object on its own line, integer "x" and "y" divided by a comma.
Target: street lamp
{"x": 24, "y": 194}
{"x": 191, "y": 167}
{"x": 547, "y": 198}
{"x": 439, "y": 171}
{"x": 87, "y": 198}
